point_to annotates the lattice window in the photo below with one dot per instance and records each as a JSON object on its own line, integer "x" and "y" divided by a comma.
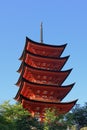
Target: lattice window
{"x": 38, "y": 63}
{"x": 37, "y": 108}
{"x": 44, "y": 64}
{"x": 45, "y": 92}
{"x": 44, "y": 77}
{"x": 43, "y": 52}
{"x": 51, "y": 93}
{"x": 38, "y": 91}
{"x": 44, "y": 81}
{"x": 38, "y": 76}
{"x": 48, "y": 64}
{"x": 50, "y": 78}
{"x": 51, "y": 97}
{"x": 37, "y": 96}
{"x": 44, "y": 96}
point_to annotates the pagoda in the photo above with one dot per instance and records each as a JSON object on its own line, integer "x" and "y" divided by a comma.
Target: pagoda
{"x": 41, "y": 78}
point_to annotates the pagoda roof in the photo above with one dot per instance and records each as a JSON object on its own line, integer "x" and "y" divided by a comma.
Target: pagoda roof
{"x": 43, "y": 76}
{"x": 40, "y": 106}
{"x": 45, "y": 85}
{"x": 43, "y": 49}
{"x": 49, "y": 93}
{"x": 43, "y": 62}
{"x": 44, "y": 44}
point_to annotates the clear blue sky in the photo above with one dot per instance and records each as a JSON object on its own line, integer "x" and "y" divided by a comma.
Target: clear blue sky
{"x": 64, "y": 21}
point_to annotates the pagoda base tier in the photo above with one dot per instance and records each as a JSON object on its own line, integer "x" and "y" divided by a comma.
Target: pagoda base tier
{"x": 35, "y": 107}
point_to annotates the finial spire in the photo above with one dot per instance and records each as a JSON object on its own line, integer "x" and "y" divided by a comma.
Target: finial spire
{"x": 41, "y": 32}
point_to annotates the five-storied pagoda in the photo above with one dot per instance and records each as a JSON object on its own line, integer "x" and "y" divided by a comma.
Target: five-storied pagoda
{"x": 41, "y": 78}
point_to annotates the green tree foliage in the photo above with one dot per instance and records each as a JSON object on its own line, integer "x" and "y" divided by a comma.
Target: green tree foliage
{"x": 28, "y": 123}
{"x": 12, "y": 112}
{"x": 4, "y": 124}
{"x": 78, "y": 116}
{"x": 52, "y": 121}
{"x": 9, "y": 114}
{"x": 14, "y": 117}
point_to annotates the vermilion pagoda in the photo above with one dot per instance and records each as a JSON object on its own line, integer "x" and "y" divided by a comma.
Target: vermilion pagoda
{"x": 41, "y": 78}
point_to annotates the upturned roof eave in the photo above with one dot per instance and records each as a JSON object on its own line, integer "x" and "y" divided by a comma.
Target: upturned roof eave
{"x": 69, "y": 87}
{"x": 41, "y": 44}
{"x": 44, "y": 44}
{"x": 62, "y": 103}
{"x": 40, "y": 56}
{"x": 43, "y": 70}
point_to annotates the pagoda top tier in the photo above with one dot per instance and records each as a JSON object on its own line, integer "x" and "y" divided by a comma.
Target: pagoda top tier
{"x": 43, "y": 49}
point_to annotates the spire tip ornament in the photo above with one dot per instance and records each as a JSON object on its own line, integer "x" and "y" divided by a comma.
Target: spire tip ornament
{"x": 41, "y": 32}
